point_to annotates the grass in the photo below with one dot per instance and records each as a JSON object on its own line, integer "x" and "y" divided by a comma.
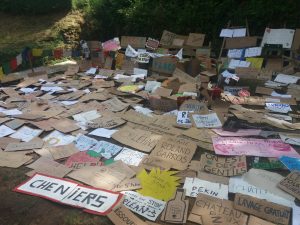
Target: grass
{"x": 45, "y": 31}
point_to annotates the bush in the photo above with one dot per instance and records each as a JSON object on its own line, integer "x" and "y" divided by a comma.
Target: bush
{"x": 31, "y": 7}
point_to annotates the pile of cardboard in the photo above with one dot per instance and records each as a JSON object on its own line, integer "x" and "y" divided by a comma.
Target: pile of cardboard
{"x": 150, "y": 134}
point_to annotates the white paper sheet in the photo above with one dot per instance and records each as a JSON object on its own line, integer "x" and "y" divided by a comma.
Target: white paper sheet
{"x": 278, "y": 36}
{"x": 4, "y": 131}
{"x": 102, "y": 132}
{"x": 286, "y": 79}
{"x": 130, "y": 156}
{"x": 26, "y": 133}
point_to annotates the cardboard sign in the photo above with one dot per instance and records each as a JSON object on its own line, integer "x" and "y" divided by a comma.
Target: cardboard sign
{"x": 267, "y": 180}
{"x": 223, "y": 166}
{"x": 164, "y": 64}
{"x": 106, "y": 122}
{"x": 159, "y": 184}
{"x": 13, "y": 159}
{"x": 152, "y": 43}
{"x": 207, "y": 121}
{"x": 135, "y": 42}
{"x": 147, "y": 207}
{"x": 290, "y": 163}
{"x": 282, "y": 37}
{"x": 183, "y": 118}
{"x": 184, "y": 77}
{"x": 203, "y": 135}
{"x": 238, "y": 133}
{"x": 122, "y": 216}
{"x": 49, "y": 167}
{"x": 176, "y": 151}
{"x": 176, "y": 209}
{"x": 82, "y": 159}
{"x": 115, "y": 105}
{"x": 209, "y": 209}
{"x": 240, "y": 42}
{"x": 239, "y": 185}
{"x": 167, "y": 38}
{"x": 253, "y": 147}
{"x": 262, "y": 208}
{"x": 196, "y": 186}
{"x": 63, "y": 151}
{"x": 247, "y": 72}
{"x": 162, "y": 104}
{"x": 291, "y": 184}
{"x": 257, "y": 221}
{"x": 100, "y": 177}
{"x": 130, "y": 157}
{"x": 142, "y": 140}
{"x": 34, "y": 144}
{"x": 195, "y": 40}
{"x": 93, "y": 200}
{"x": 296, "y": 42}
{"x": 154, "y": 162}
{"x": 128, "y": 185}
{"x": 106, "y": 149}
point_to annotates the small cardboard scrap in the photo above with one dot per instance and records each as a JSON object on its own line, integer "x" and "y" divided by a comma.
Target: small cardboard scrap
{"x": 204, "y": 134}
{"x": 100, "y": 177}
{"x": 178, "y": 152}
{"x": 253, "y": 220}
{"x": 33, "y": 144}
{"x": 223, "y": 166}
{"x": 252, "y": 146}
{"x": 196, "y": 186}
{"x": 262, "y": 208}
{"x": 4, "y": 141}
{"x": 142, "y": 140}
{"x": 210, "y": 209}
{"x": 130, "y": 156}
{"x": 213, "y": 178}
{"x": 15, "y": 124}
{"x": 291, "y": 184}
{"x": 49, "y": 167}
{"x": 62, "y": 151}
{"x": 70, "y": 193}
{"x": 247, "y": 72}
{"x": 159, "y": 184}
{"x": 147, "y": 207}
{"x": 176, "y": 209}
{"x": 154, "y": 162}
{"x": 162, "y": 104}
{"x": 183, "y": 76}
{"x": 13, "y": 159}
{"x": 135, "y": 42}
{"x": 163, "y": 92}
{"x": 121, "y": 216}
{"x": 207, "y": 121}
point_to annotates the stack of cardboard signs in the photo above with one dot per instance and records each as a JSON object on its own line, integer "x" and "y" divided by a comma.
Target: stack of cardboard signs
{"x": 140, "y": 140}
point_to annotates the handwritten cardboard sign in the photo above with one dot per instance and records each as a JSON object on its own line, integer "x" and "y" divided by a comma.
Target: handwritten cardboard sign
{"x": 130, "y": 156}
{"x": 121, "y": 216}
{"x": 106, "y": 122}
{"x": 211, "y": 210}
{"x": 128, "y": 185}
{"x": 147, "y": 207}
{"x": 262, "y": 208}
{"x": 135, "y": 42}
{"x": 223, "y": 166}
{"x": 178, "y": 152}
{"x": 257, "y": 221}
{"x": 34, "y": 144}
{"x": 253, "y": 147}
{"x": 92, "y": 200}
{"x": 207, "y": 121}
{"x": 176, "y": 209}
{"x": 140, "y": 139}
{"x": 239, "y": 185}
{"x": 62, "y": 151}
{"x": 164, "y": 64}
{"x": 195, "y": 40}
{"x": 196, "y": 186}
{"x": 291, "y": 184}
{"x": 167, "y": 38}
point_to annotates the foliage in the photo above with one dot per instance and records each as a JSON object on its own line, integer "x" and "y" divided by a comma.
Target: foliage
{"x": 32, "y": 7}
